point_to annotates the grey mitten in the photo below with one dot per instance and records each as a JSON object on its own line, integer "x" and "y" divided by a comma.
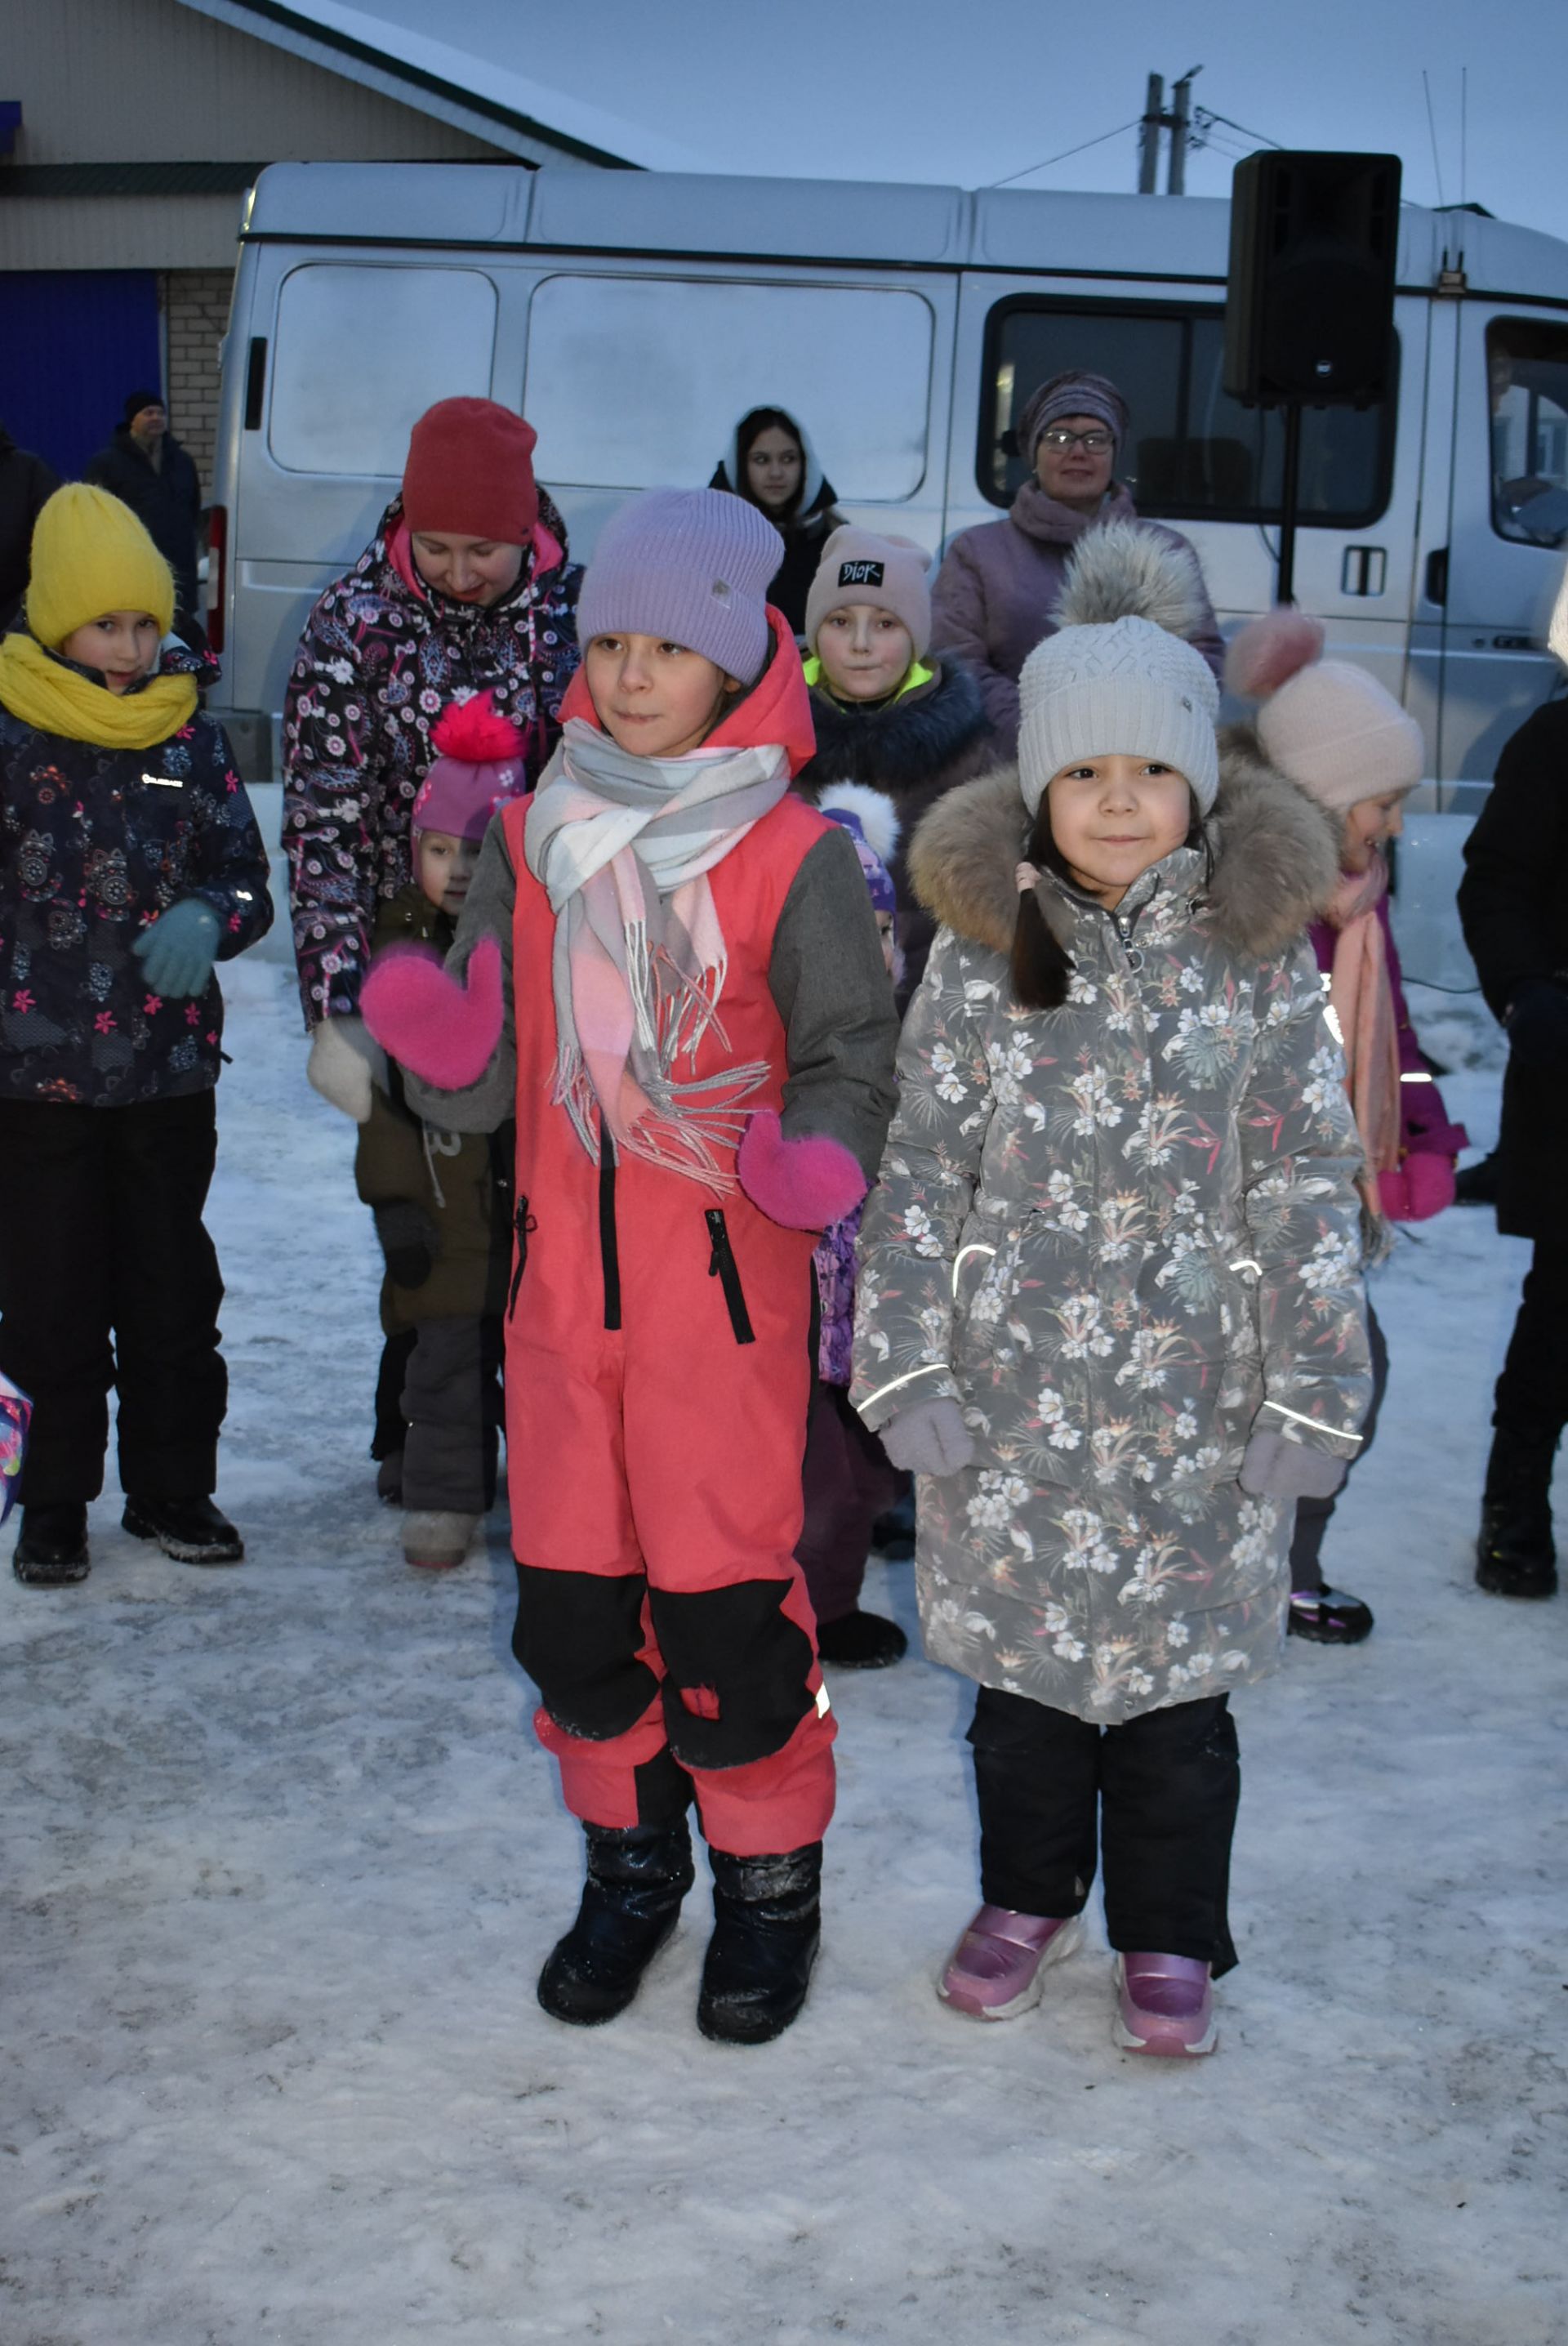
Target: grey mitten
{"x": 1273, "y": 1468}
{"x": 345, "y": 1063}
{"x": 408, "y": 1240}
{"x": 931, "y": 1438}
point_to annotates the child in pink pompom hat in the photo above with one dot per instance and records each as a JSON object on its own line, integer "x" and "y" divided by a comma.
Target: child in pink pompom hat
{"x": 1333, "y": 731}
{"x": 442, "y": 1200}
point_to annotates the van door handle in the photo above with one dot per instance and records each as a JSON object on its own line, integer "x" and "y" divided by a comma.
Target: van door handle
{"x": 1436, "y": 576}
{"x": 255, "y": 381}
{"x": 1364, "y": 570}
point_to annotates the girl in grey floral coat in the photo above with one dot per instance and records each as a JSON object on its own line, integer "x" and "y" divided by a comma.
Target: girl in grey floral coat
{"x": 1110, "y": 1303}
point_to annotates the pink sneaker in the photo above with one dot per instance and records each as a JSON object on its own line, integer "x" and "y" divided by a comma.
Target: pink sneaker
{"x": 997, "y": 1969}
{"x": 1164, "y": 2003}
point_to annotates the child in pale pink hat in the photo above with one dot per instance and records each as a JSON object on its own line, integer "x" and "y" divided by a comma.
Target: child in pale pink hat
{"x": 442, "y": 1200}
{"x": 1333, "y": 731}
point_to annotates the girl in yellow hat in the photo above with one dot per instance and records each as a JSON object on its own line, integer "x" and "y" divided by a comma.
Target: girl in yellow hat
{"x": 129, "y": 862}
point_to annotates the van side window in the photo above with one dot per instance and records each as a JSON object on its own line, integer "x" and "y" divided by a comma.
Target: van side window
{"x": 640, "y": 381}
{"x": 1195, "y": 453}
{"x": 361, "y": 351}
{"x": 1527, "y": 397}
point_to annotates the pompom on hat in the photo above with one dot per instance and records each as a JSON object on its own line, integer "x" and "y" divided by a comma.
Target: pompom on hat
{"x": 692, "y": 567}
{"x": 1330, "y": 727}
{"x": 479, "y": 767}
{"x": 1118, "y": 677}
{"x": 470, "y": 472}
{"x": 91, "y": 555}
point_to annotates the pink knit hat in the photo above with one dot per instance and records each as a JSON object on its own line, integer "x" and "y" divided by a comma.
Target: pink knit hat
{"x": 860, "y": 566}
{"x": 479, "y": 765}
{"x": 1330, "y": 727}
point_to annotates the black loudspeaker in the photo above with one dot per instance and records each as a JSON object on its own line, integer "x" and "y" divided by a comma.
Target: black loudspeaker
{"x": 1310, "y": 306}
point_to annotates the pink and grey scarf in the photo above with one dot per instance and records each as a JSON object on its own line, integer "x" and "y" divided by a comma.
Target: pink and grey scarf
{"x": 1363, "y": 1000}
{"x": 622, "y": 846}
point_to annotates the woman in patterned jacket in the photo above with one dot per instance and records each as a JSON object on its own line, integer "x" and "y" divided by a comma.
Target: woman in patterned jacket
{"x": 1110, "y": 1305}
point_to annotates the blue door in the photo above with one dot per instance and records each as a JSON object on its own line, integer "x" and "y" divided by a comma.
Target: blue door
{"x": 73, "y": 343}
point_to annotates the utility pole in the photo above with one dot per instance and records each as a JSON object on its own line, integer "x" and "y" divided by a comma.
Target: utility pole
{"x": 1149, "y": 138}
{"x": 1180, "y": 122}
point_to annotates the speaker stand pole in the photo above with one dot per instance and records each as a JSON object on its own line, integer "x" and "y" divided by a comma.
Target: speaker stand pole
{"x": 1290, "y": 503}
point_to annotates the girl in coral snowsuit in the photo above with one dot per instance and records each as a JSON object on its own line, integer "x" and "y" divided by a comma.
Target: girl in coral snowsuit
{"x": 675, "y": 980}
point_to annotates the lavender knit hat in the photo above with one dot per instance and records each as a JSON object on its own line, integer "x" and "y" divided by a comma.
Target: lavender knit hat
{"x": 691, "y": 565}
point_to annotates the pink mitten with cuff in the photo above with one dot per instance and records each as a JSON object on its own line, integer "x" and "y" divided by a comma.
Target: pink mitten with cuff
{"x": 1422, "y": 1187}
{"x": 440, "y": 1029}
{"x": 803, "y": 1183}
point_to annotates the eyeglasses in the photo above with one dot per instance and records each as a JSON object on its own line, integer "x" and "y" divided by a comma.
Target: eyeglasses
{"x": 1094, "y": 442}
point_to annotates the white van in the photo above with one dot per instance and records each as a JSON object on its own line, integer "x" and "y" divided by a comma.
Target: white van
{"x": 634, "y": 316}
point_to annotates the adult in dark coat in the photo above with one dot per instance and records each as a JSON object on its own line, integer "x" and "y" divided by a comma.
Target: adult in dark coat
{"x": 26, "y": 483}
{"x": 996, "y": 593}
{"x": 771, "y": 463}
{"x": 145, "y": 466}
{"x": 1513, "y": 904}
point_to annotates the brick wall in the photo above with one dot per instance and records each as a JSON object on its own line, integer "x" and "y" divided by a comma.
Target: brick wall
{"x": 196, "y": 311}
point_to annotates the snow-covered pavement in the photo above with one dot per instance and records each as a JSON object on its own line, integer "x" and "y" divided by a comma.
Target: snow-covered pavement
{"x": 281, "y": 1861}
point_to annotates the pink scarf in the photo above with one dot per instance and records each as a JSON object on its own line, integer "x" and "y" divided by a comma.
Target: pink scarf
{"x": 1363, "y": 1002}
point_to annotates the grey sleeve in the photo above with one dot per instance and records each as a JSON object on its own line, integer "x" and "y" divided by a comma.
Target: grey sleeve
{"x": 831, "y": 988}
{"x": 485, "y": 1106}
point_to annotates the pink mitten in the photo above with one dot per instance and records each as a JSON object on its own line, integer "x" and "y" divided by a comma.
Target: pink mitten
{"x": 1428, "y": 1185}
{"x": 803, "y": 1184}
{"x": 440, "y": 1030}
{"x": 1394, "y": 1195}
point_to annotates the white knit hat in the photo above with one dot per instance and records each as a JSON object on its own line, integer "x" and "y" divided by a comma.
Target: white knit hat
{"x": 1129, "y": 688}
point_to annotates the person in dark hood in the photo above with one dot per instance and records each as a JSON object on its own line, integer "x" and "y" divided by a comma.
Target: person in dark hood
{"x": 771, "y": 462}
{"x": 26, "y": 485}
{"x": 145, "y": 466}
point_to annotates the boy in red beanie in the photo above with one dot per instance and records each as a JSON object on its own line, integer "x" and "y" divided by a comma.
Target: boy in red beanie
{"x": 674, "y": 979}
{"x": 443, "y": 1200}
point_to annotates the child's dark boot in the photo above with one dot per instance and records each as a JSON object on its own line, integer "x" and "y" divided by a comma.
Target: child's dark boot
{"x": 52, "y": 1549}
{"x": 1515, "y": 1554}
{"x": 766, "y": 1923}
{"x": 638, "y": 1876}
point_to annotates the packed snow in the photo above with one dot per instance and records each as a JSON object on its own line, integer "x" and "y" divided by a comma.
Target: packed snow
{"x": 283, "y": 1860}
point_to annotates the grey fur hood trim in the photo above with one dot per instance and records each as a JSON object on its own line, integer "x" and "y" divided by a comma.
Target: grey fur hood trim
{"x": 1124, "y": 571}
{"x": 1275, "y": 857}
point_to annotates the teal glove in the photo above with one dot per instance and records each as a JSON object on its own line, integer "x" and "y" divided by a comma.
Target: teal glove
{"x": 178, "y": 951}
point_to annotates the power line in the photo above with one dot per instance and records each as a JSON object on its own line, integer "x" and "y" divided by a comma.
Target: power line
{"x": 1066, "y": 152}
{"x": 1211, "y": 117}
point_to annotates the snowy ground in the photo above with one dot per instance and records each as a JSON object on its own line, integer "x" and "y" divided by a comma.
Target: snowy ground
{"x": 283, "y": 1862}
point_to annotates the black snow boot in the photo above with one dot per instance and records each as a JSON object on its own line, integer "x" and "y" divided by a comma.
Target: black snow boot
{"x": 190, "y": 1530}
{"x": 638, "y": 1876}
{"x": 51, "y": 1549}
{"x": 766, "y": 1923}
{"x": 1514, "y": 1555}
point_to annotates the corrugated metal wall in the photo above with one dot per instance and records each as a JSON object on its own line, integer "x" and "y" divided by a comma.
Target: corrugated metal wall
{"x": 72, "y": 343}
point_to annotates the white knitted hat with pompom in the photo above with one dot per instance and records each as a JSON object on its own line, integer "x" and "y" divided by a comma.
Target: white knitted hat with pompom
{"x": 1331, "y": 727}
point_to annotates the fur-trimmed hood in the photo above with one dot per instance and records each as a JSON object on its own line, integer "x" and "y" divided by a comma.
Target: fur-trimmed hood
{"x": 1276, "y": 858}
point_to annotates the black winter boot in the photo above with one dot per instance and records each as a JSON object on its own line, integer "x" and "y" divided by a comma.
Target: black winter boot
{"x": 1514, "y": 1555}
{"x": 190, "y": 1530}
{"x": 766, "y": 1923}
{"x": 51, "y": 1549}
{"x": 638, "y": 1876}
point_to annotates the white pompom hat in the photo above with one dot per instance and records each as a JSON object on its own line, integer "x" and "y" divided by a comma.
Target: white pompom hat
{"x": 1331, "y": 727}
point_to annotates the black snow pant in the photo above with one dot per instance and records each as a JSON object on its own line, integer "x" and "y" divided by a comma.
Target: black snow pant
{"x": 1164, "y": 1787}
{"x": 1531, "y": 1402}
{"x": 101, "y": 1237}
{"x": 849, "y": 1481}
{"x": 452, "y": 1408}
{"x": 1312, "y": 1516}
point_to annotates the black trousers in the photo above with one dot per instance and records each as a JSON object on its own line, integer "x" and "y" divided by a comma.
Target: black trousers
{"x": 1164, "y": 1789}
{"x": 452, "y": 1404}
{"x": 1531, "y": 1404}
{"x": 1312, "y": 1516}
{"x": 101, "y": 1237}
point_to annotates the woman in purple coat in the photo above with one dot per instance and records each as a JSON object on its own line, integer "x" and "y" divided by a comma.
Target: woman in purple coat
{"x": 1332, "y": 730}
{"x": 996, "y": 593}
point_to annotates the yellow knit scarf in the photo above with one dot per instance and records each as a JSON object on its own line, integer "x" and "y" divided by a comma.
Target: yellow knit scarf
{"x": 57, "y": 698}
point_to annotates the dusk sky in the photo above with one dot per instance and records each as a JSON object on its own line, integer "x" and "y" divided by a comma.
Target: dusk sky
{"x": 970, "y": 94}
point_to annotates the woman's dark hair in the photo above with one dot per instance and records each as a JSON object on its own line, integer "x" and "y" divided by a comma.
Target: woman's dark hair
{"x": 1042, "y": 966}
{"x": 749, "y": 431}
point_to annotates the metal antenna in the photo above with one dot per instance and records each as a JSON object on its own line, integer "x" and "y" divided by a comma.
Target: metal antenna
{"x": 1431, "y": 126}
{"x": 1463, "y": 135}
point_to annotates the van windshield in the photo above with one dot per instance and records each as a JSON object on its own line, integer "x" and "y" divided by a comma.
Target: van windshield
{"x": 1527, "y": 388}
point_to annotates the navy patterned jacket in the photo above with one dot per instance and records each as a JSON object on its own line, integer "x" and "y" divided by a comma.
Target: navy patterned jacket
{"x": 380, "y": 658}
{"x": 95, "y": 843}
